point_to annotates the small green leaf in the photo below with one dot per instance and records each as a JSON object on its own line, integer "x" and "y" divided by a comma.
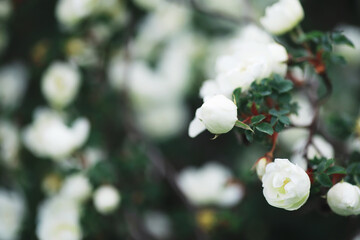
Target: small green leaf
{"x": 339, "y": 38}
{"x": 279, "y": 127}
{"x": 324, "y": 180}
{"x": 243, "y": 125}
{"x": 265, "y": 128}
{"x": 249, "y": 135}
{"x": 325, "y": 164}
{"x": 284, "y": 119}
{"x": 281, "y": 85}
{"x": 336, "y": 169}
{"x": 257, "y": 119}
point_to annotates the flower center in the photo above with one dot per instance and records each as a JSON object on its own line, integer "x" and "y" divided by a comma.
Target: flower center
{"x": 282, "y": 188}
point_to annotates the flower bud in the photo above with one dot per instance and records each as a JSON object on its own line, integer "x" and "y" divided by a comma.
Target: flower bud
{"x": 218, "y": 114}
{"x": 282, "y": 16}
{"x": 344, "y": 199}
{"x": 261, "y": 166}
{"x": 106, "y": 199}
{"x": 286, "y": 185}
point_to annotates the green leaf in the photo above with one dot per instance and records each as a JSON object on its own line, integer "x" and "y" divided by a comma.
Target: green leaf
{"x": 243, "y": 125}
{"x": 339, "y": 38}
{"x": 325, "y": 164}
{"x": 336, "y": 169}
{"x": 281, "y": 85}
{"x": 249, "y": 135}
{"x": 285, "y": 120}
{"x": 311, "y": 36}
{"x": 279, "y": 127}
{"x": 265, "y": 128}
{"x": 257, "y": 119}
{"x": 324, "y": 180}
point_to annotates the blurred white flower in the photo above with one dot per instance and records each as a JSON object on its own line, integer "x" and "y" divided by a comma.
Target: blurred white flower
{"x": 118, "y": 70}
{"x": 49, "y": 136}
{"x": 76, "y": 187}
{"x": 352, "y": 55}
{"x": 60, "y": 84}
{"x": 282, "y": 16}
{"x": 81, "y": 52}
{"x": 218, "y": 115}
{"x": 5, "y": 9}
{"x": 231, "y": 7}
{"x": 305, "y": 113}
{"x": 209, "y": 185}
{"x": 286, "y": 185}
{"x": 289, "y": 136}
{"x": 344, "y": 199}
{"x": 9, "y": 143}
{"x": 317, "y": 148}
{"x": 158, "y": 224}
{"x": 300, "y": 160}
{"x": 163, "y": 121}
{"x": 106, "y": 199}
{"x": 171, "y": 17}
{"x": 13, "y": 83}
{"x": 59, "y": 219}
{"x": 149, "y": 5}
{"x": 70, "y": 12}
{"x": 12, "y": 210}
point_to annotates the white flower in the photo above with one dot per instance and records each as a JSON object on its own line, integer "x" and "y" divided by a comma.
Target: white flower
{"x": 317, "y": 148}
{"x": 9, "y": 143}
{"x": 13, "y": 82}
{"x": 49, "y": 136}
{"x": 218, "y": 115}
{"x": 282, "y": 16}
{"x": 344, "y": 199}
{"x": 171, "y": 17}
{"x": 12, "y": 211}
{"x": 261, "y": 167}
{"x": 163, "y": 121}
{"x": 117, "y": 71}
{"x": 209, "y": 185}
{"x": 230, "y": 7}
{"x": 5, "y": 9}
{"x": 150, "y": 5}
{"x": 59, "y": 219}
{"x": 106, "y": 199}
{"x": 60, "y": 84}
{"x": 305, "y": 113}
{"x": 158, "y": 224}
{"x": 76, "y": 187}
{"x": 70, "y": 12}
{"x": 300, "y": 160}
{"x": 286, "y": 185}
{"x": 352, "y": 55}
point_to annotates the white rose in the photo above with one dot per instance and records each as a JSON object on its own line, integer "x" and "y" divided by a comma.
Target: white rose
{"x": 344, "y": 199}
{"x": 9, "y": 143}
{"x": 60, "y": 84}
{"x": 218, "y": 115}
{"x": 76, "y": 187}
{"x": 317, "y": 148}
{"x": 282, "y": 16}
{"x": 58, "y": 219}
{"x": 49, "y": 136}
{"x": 12, "y": 211}
{"x": 106, "y": 199}
{"x": 13, "y": 83}
{"x": 286, "y": 185}
{"x": 209, "y": 185}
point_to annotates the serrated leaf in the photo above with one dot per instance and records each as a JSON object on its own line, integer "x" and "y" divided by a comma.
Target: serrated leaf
{"x": 279, "y": 127}
{"x": 257, "y": 119}
{"x": 265, "y": 128}
{"x": 281, "y": 85}
{"x": 336, "y": 170}
{"x": 243, "y": 125}
{"x": 324, "y": 180}
{"x": 325, "y": 164}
